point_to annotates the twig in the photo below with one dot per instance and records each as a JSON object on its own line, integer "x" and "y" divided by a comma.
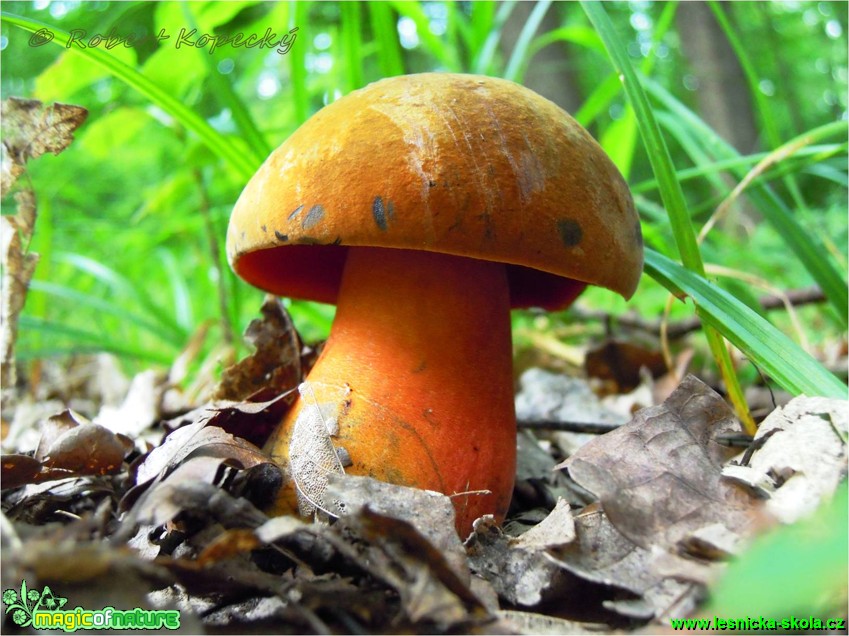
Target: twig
{"x": 212, "y": 238}
{"x": 593, "y": 428}
{"x": 797, "y": 298}
{"x": 739, "y": 440}
{"x": 734, "y": 440}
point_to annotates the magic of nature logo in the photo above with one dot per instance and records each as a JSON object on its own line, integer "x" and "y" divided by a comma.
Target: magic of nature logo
{"x": 44, "y": 610}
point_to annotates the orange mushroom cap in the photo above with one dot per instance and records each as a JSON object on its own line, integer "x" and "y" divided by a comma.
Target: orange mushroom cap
{"x": 457, "y": 164}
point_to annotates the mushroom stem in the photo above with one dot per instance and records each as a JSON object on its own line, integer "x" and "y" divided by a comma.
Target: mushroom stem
{"x": 418, "y": 367}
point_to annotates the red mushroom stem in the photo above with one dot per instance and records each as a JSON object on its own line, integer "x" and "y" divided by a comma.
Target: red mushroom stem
{"x": 421, "y": 349}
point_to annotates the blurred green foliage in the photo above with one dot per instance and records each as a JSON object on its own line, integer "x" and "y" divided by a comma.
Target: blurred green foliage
{"x": 132, "y": 216}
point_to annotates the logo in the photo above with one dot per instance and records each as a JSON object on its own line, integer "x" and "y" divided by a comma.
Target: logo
{"x": 43, "y": 610}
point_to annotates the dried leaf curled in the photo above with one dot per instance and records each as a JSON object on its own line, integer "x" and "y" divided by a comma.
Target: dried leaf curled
{"x": 30, "y": 129}
{"x": 276, "y": 362}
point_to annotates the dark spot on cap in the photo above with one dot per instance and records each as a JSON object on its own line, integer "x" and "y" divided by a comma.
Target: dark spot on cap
{"x": 382, "y": 213}
{"x": 295, "y": 213}
{"x": 337, "y": 241}
{"x": 281, "y": 237}
{"x": 431, "y": 183}
{"x": 313, "y": 217}
{"x": 264, "y": 229}
{"x": 570, "y": 232}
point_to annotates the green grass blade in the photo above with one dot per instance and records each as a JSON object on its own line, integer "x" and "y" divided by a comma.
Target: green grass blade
{"x": 807, "y": 248}
{"x": 180, "y": 294}
{"x": 753, "y": 78}
{"x": 244, "y": 163}
{"x": 519, "y": 57}
{"x": 670, "y": 189}
{"x": 81, "y": 299}
{"x": 122, "y": 287}
{"x": 772, "y": 351}
{"x": 385, "y": 32}
{"x": 298, "y": 61}
{"x": 446, "y": 55}
{"x": 574, "y": 34}
{"x": 475, "y": 29}
{"x": 599, "y": 100}
{"x": 620, "y": 138}
{"x": 484, "y": 61}
{"x": 658, "y": 153}
{"x": 352, "y": 44}
{"x": 806, "y": 158}
{"x": 84, "y": 342}
{"x": 223, "y": 89}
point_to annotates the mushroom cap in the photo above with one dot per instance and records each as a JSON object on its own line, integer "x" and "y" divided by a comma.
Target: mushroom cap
{"x": 459, "y": 164}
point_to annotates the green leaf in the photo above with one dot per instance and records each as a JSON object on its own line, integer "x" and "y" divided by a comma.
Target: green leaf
{"x": 520, "y": 56}
{"x": 768, "y": 348}
{"x": 70, "y": 73}
{"x": 84, "y": 342}
{"x": 807, "y": 248}
{"x": 386, "y": 34}
{"x": 352, "y": 45}
{"x": 298, "y": 62}
{"x": 243, "y": 162}
{"x": 446, "y": 55}
{"x": 222, "y": 86}
{"x": 670, "y": 189}
{"x": 483, "y": 61}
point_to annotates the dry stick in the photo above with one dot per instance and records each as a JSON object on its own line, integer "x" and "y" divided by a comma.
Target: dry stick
{"x": 797, "y": 298}
{"x": 212, "y": 237}
{"x": 593, "y": 428}
{"x": 600, "y": 428}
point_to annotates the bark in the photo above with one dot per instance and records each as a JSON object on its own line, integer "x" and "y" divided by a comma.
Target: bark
{"x": 723, "y": 95}
{"x": 552, "y": 72}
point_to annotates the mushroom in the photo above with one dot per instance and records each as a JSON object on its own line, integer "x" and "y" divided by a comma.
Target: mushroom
{"x": 425, "y": 207}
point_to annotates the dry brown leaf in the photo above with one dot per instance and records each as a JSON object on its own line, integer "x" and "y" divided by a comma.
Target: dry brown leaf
{"x": 430, "y": 513}
{"x": 275, "y": 364}
{"x": 619, "y": 365}
{"x": 251, "y": 421}
{"x": 521, "y": 577}
{"x": 602, "y": 554}
{"x": 30, "y": 129}
{"x": 659, "y": 477}
{"x": 543, "y": 624}
{"x": 18, "y": 268}
{"x": 430, "y": 590}
{"x": 88, "y": 449}
{"x": 200, "y": 439}
{"x": 312, "y": 455}
{"x": 165, "y": 501}
{"x": 70, "y": 446}
{"x": 141, "y": 407}
{"x": 19, "y": 470}
{"x": 54, "y": 427}
{"x": 556, "y": 530}
{"x": 799, "y": 457}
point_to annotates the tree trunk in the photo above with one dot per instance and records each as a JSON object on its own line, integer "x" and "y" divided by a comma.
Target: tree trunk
{"x": 723, "y": 95}
{"x": 551, "y": 72}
